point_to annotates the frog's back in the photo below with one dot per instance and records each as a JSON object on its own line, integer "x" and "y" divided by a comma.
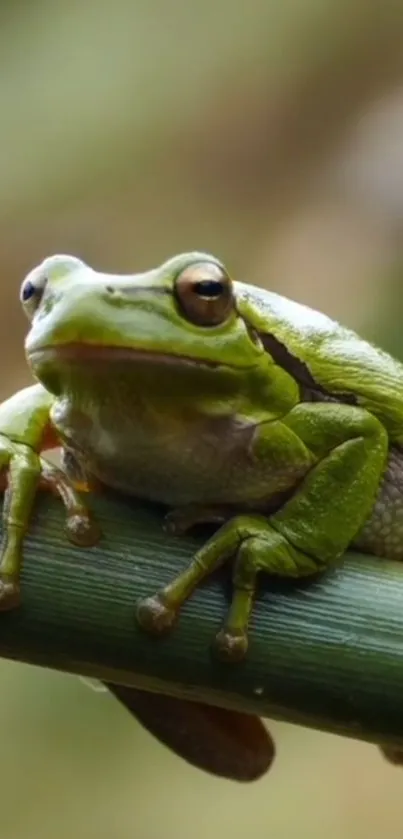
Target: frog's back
{"x": 336, "y": 358}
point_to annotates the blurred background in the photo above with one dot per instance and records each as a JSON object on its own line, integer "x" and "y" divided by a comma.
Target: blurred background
{"x": 272, "y": 135}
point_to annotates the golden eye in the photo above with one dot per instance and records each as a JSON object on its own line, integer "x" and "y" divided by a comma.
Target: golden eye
{"x": 205, "y": 294}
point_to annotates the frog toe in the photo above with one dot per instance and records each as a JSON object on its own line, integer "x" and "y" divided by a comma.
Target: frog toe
{"x": 10, "y": 594}
{"x": 155, "y": 616}
{"x": 231, "y": 645}
{"x": 82, "y": 530}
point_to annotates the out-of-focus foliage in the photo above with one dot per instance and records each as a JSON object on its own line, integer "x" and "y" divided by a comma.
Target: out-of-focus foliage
{"x": 272, "y": 134}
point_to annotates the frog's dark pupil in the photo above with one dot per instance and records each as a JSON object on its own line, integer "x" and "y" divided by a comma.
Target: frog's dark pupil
{"x": 209, "y": 288}
{"x": 28, "y": 290}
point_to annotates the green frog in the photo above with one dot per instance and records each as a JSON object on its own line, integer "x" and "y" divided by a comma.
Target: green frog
{"x": 228, "y": 403}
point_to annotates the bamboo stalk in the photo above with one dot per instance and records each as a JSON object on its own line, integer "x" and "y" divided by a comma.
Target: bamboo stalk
{"x": 326, "y": 654}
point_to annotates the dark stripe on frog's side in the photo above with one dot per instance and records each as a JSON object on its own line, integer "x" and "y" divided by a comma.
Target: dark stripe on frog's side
{"x": 311, "y": 390}
{"x": 382, "y": 533}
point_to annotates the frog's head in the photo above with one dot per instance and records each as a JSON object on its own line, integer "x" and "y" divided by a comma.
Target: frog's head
{"x": 184, "y": 314}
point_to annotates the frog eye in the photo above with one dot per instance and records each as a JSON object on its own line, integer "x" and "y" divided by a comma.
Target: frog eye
{"x": 205, "y": 293}
{"x": 52, "y": 268}
{"x": 31, "y": 291}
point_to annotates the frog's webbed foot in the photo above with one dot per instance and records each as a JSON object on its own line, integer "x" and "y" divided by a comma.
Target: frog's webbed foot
{"x": 23, "y": 473}
{"x": 182, "y": 519}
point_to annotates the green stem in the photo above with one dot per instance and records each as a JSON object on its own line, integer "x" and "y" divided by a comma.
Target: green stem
{"x": 327, "y": 654}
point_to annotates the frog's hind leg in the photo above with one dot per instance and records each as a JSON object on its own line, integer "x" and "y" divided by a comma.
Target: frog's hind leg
{"x": 256, "y": 547}
{"x": 232, "y": 640}
{"x": 261, "y": 548}
{"x": 313, "y": 528}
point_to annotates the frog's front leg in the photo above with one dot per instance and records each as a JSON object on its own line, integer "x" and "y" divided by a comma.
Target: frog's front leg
{"x": 349, "y": 447}
{"x": 20, "y": 488}
{"x": 24, "y": 472}
{"x": 26, "y": 430}
{"x": 81, "y": 529}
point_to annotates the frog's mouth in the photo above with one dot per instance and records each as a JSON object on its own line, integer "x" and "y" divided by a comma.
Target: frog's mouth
{"x": 98, "y": 354}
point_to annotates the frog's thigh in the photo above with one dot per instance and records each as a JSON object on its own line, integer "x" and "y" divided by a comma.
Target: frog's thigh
{"x": 336, "y": 496}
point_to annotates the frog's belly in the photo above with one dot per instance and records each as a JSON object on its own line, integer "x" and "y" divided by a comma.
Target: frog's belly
{"x": 207, "y": 462}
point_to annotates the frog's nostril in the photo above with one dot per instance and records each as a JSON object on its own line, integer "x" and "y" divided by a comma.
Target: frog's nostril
{"x": 113, "y": 295}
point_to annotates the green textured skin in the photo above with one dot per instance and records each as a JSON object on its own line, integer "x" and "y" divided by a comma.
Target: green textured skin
{"x": 277, "y": 421}
{"x": 147, "y": 402}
